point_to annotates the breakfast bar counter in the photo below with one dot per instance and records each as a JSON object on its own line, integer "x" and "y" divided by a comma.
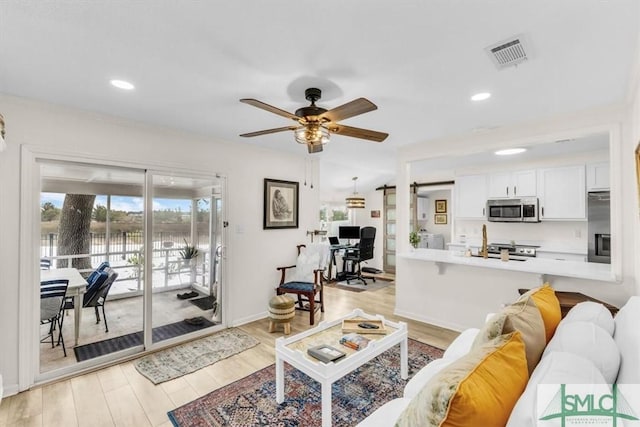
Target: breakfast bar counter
{"x": 543, "y": 267}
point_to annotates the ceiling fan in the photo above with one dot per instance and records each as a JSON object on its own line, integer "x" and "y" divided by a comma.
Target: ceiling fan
{"x": 315, "y": 124}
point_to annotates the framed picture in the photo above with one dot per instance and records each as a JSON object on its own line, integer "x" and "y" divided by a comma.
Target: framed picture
{"x": 441, "y": 206}
{"x": 280, "y": 204}
{"x": 375, "y": 214}
{"x": 440, "y": 219}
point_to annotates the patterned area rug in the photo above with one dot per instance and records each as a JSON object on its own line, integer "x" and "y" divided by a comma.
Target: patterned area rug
{"x": 183, "y": 359}
{"x": 251, "y": 401}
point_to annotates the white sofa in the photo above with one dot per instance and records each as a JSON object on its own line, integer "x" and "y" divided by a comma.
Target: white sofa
{"x": 570, "y": 357}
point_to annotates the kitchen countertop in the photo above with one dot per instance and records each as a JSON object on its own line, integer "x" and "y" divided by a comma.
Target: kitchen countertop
{"x": 576, "y": 269}
{"x": 558, "y": 247}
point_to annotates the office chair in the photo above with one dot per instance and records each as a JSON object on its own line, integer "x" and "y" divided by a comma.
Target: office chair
{"x": 363, "y": 252}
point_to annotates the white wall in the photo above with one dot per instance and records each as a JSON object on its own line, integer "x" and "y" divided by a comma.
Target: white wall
{"x": 429, "y": 223}
{"x": 252, "y": 253}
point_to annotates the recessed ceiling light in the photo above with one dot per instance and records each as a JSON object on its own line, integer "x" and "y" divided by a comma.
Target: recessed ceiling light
{"x": 121, "y": 84}
{"x": 510, "y": 151}
{"x": 481, "y": 96}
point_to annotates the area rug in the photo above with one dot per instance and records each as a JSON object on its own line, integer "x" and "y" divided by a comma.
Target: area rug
{"x": 251, "y": 401}
{"x": 203, "y": 303}
{"x": 183, "y": 359}
{"x": 357, "y": 286}
{"x": 160, "y": 333}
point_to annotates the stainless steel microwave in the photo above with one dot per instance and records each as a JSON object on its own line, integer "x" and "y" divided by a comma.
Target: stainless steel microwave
{"x": 513, "y": 210}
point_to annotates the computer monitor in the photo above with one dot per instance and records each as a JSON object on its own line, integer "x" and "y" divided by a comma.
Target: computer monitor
{"x": 349, "y": 232}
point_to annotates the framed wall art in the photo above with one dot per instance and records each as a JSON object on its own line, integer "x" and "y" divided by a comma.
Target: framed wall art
{"x": 440, "y": 219}
{"x": 441, "y": 206}
{"x": 280, "y": 204}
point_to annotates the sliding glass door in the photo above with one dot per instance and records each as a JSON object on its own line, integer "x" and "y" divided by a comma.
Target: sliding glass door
{"x": 186, "y": 230}
{"x": 161, "y": 235}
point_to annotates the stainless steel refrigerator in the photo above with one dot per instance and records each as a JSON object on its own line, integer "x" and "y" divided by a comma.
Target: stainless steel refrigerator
{"x": 599, "y": 227}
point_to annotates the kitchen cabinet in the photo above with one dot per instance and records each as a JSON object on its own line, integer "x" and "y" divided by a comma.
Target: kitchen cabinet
{"x": 598, "y": 176}
{"x": 471, "y": 196}
{"x": 562, "y": 193}
{"x": 512, "y": 184}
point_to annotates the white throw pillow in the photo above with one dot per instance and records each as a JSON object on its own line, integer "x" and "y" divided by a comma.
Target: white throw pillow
{"x": 556, "y": 368}
{"x": 627, "y": 337}
{"x": 461, "y": 345}
{"x": 594, "y": 312}
{"x": 305, "y": 265}
{"x": 588, "y": 340}
{"x": 423, "y": 376}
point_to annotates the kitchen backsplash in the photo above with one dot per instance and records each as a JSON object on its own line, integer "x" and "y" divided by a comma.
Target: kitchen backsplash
{"x": 564, "y": 233}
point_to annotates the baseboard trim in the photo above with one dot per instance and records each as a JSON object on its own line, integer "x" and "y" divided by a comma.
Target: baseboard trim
{"x": 9, "y": 390}
{"x": 430, "y": 320}
{"x": 249, "y": 319}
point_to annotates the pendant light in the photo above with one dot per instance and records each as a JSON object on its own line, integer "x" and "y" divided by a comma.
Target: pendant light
{"x": 355, "y": 201}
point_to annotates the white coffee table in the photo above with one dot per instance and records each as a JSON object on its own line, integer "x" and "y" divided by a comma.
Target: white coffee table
{"x": 293, "y": 350}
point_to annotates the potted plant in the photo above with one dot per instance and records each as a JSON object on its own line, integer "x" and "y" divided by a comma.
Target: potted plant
{"x": 188, "y": 252}
{"x": 414, "y": 239}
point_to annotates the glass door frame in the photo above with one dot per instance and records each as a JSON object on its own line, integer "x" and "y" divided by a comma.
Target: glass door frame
{"x": 29, "y": 271}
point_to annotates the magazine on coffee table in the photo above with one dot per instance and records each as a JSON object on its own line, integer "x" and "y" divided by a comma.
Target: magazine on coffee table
{"x": 325, "y": 353}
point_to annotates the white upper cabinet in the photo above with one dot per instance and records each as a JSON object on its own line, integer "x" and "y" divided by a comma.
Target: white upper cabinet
{"x": 471, "y": 196}
{"x": 598, "y": 176}
{"x": 562, "y": 193}
{"x": 512, "y": 184}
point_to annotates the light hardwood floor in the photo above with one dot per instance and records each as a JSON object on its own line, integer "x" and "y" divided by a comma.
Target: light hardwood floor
{"x": 120, "y": 396}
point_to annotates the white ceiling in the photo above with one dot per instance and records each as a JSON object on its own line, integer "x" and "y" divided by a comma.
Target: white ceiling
{"x": 419, "y": 61}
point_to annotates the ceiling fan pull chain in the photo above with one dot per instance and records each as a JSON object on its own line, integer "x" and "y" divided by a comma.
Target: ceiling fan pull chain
{"x": 311, "y": 173}
{"x": 305, "y": 172}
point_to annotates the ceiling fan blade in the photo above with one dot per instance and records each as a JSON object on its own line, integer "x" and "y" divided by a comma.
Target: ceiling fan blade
{"x": 314, "y": 148}
{"x": 368, "y": 134}
{"x": 268, "y": 131}
{"x": 350, "y": 109}
{"x": 270, "y": 108}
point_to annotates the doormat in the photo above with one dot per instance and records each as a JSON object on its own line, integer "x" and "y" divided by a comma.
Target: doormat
{"x": 164, "y": 332}
{"x": 183, "y": 359}
{"x": 251, "y": 401}
{"x": 204, "y": 303}
{"x": 357, "y": 286}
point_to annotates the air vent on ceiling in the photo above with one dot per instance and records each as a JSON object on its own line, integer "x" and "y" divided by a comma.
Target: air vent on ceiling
{"x": 508, "y": 52}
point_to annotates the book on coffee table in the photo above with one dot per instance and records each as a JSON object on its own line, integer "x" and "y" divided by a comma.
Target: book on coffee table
{"x": 325, "y": 353}
{"x": 354, "y": 341}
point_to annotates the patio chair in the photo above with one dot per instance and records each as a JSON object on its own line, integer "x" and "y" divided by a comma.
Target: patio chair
{"x": 52, "y": 299}
{"x": 306, "y": 280}
{"x": 96, "y": 295}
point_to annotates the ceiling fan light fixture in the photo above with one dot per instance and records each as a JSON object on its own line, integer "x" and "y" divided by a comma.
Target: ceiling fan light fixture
{"x": 313, "y": 134}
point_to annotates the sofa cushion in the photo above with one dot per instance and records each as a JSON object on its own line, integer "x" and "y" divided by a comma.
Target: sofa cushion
{"x": 384, "y": 415}
{"x": 590, "y": 341}
{"x": 628, "y": 341}
{"x": 522, "y": 316}
{"x": 545, "y": 299}
{"x": 468, "y": 392}
{"x": 424, "y": 375}
{"x": 594, "y": 312}
{"x": 461, "y": 345}
{"x": 556, "y": 368}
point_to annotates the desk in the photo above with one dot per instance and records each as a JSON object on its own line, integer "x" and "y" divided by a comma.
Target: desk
{"x": 77, "y": 287}
{"x": 332, "y": 259}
